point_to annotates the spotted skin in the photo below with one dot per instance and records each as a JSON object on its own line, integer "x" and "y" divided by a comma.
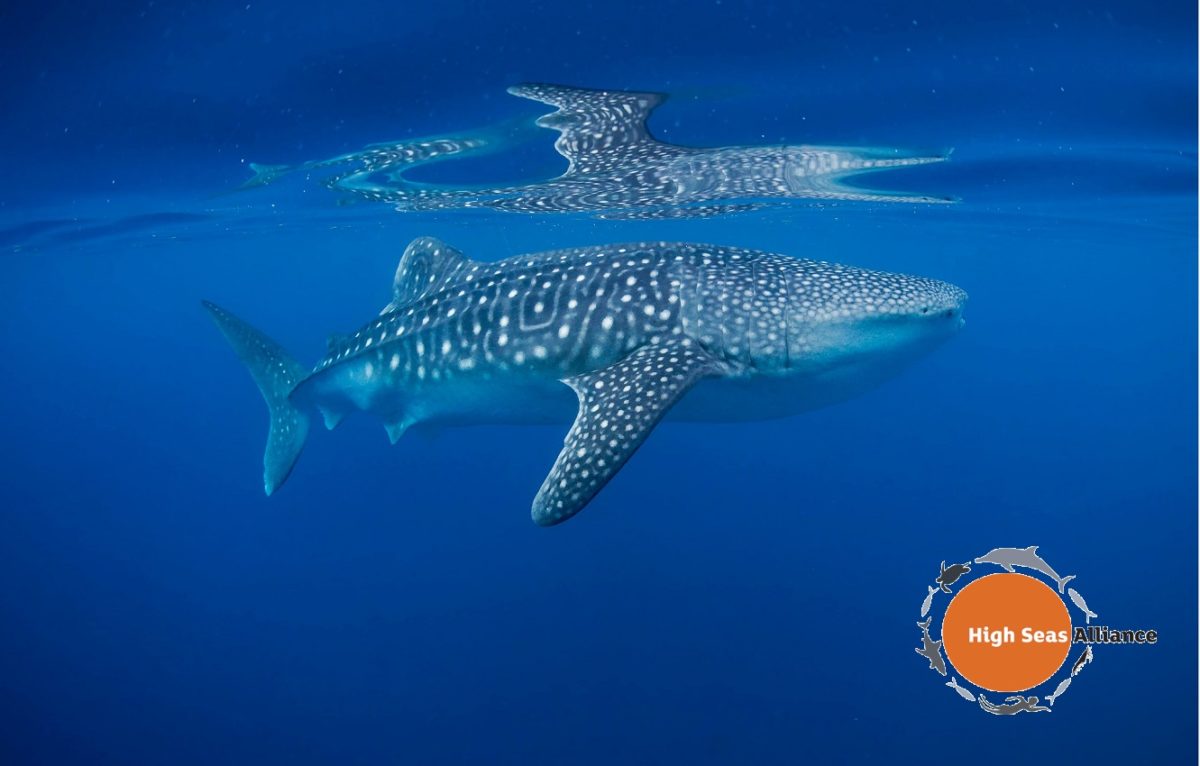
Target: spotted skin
{"x": 276, "y": 375}
{"x": 634, "y": 330}
{"x": 618, "y": 407}
{"x": 616, "y": 169}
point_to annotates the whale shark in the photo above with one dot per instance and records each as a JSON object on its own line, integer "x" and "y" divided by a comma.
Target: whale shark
{"x": 616, "y": 168}
{"x": 616, "y": 335}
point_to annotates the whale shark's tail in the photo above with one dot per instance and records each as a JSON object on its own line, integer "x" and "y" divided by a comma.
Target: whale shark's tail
{"x": 276, "y": 374}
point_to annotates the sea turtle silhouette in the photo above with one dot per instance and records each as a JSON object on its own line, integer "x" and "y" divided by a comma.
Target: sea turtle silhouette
{"x": 950, "y": 575}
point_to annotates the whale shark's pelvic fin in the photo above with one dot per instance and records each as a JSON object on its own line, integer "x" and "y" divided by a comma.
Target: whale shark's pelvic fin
{"x": 276, "y": 374}
{"x": 618, "y": 407}
{"x": 396, "y": 429}
{"x": 427, "y": 262}
{"x": 332, "y": 417}
{"x": 594, "y": 124}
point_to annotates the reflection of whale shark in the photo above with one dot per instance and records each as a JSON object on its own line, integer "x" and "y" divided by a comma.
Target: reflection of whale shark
{"x": 930, "y": 649}
{"x": 616, "y": 168}
{"x": 1023, "y": 557}
{"x": 616, "y": 334}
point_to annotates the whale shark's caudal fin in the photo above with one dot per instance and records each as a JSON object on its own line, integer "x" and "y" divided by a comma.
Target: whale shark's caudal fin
{"x": 276, "y": 374}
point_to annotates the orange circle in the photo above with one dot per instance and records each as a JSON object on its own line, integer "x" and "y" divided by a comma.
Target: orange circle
{"x": 1006, "y": 632}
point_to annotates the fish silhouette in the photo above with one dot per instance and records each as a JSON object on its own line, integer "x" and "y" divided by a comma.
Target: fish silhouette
{"x": 1062, "y": 687}
{"x": 962, "y": 692}
{"x": 1078, "y": 601}
{"x": 928, "y": 602}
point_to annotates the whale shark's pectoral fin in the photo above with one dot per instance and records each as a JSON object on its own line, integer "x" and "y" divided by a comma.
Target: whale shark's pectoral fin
{"x": 426, "y": 264}
{"x": 618, "y": 407}
{"x": 595, "y": 125}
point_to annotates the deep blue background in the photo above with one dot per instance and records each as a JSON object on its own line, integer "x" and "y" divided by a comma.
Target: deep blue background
{"x": 739, "y": 593}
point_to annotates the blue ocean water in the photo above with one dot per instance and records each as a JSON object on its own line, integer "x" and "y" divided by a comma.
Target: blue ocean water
{"x": 740, "y": 593}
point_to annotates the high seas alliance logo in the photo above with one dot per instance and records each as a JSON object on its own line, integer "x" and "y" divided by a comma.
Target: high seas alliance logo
{"x": 1010, "y": 635}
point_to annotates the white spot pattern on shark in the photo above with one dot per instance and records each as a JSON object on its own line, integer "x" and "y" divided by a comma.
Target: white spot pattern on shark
{"x": 616, "y": 168}
{"x": 631, "y": 328}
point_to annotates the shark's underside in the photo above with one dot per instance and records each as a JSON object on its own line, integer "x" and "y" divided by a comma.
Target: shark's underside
{"x": 616, "y": 169}
{"x": 631, "y": 329}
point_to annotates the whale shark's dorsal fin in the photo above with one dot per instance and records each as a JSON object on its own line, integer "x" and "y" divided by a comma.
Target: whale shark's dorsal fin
{"x": 619, "y": 406}
{"x": 426, "y": 264}
{"x": 595, "y": 124}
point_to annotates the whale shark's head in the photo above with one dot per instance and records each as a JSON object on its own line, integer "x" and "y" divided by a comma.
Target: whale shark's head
{"x": 865, "y": 325}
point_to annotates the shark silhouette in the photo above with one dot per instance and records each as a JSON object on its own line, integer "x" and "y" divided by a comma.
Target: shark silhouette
{"x": 629, "y": 329}
{"x": 615, "y": 167}
{"x": 930, "y": 649}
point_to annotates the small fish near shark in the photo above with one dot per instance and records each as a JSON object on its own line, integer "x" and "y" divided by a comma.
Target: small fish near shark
{"x": 1063, "y": 685}
{"x": 927, "y": 604}
{"x": 616, "y": 168}
{"x": 1079, "y": 602}
{"x": 616, "y": 334}
{"x": 961, "y": 691}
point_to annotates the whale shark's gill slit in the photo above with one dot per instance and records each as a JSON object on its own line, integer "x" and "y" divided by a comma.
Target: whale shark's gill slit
{"x": 616, "y": 170}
